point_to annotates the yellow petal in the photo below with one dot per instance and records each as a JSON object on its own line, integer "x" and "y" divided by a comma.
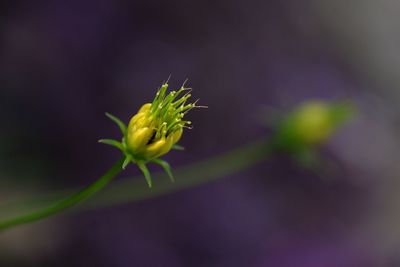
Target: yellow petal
{"x": 176, "y": 136}
{"x": 159, "y": 147}
{"x": 146, "y": 107}
{"x": 135, "y": 118}
{"x": 138, "y": 139}
{"x": 155, "y": 148}
{"x": 167, "y": 146}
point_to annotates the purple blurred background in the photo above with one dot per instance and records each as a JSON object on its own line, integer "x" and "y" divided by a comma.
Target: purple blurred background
{"x": 64, "y": 63}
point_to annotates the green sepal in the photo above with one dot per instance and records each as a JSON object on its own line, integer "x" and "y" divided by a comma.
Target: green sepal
{"x": 142, "y": 166}
{"x": 178, "y": 147}
{"x": 307, "y": 158}
{"x": 112, "y": 142}
{"x": 165, "y": 165}
{"x": 120, "y": 124}
{"x": 312, "y": 161}
{"x": 128, "y": 159}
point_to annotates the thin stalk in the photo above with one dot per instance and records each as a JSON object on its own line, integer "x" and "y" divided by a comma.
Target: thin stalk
{"x": 66, "y": 202}
{"x": 136, "y": 189}
{"x": 201, "y": 172}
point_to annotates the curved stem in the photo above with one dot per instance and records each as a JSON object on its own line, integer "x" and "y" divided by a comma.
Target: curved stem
{"x": 67, "y": 202}
{"x": 201, "y": 172}
{"x": 136, "y": 188}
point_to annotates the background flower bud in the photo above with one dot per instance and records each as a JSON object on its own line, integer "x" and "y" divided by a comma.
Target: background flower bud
{"x": 311, "y": 124}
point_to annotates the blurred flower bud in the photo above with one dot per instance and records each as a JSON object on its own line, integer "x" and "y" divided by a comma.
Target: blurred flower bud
{"x": 312, "y": 124}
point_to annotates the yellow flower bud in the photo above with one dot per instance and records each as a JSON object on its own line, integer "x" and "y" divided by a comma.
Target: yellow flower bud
{"x": 154, "y": 130}
{"x": 313, "y": 122}
{"x": 157, "y": 126}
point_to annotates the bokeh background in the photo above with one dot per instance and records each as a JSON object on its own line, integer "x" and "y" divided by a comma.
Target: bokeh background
{"x": 64, "y": 63}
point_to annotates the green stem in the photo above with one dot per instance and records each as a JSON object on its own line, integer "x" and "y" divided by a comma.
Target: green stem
{"x": 65, "y": 203}
{"x": 216, "y": 167}
{"x": 136, "y": 188}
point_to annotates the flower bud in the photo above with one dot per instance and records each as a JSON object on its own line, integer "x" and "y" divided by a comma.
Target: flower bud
{"x": 311, "y": 124}
{"x": 157, "y": 126}
{"x": 154, "y": 130}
